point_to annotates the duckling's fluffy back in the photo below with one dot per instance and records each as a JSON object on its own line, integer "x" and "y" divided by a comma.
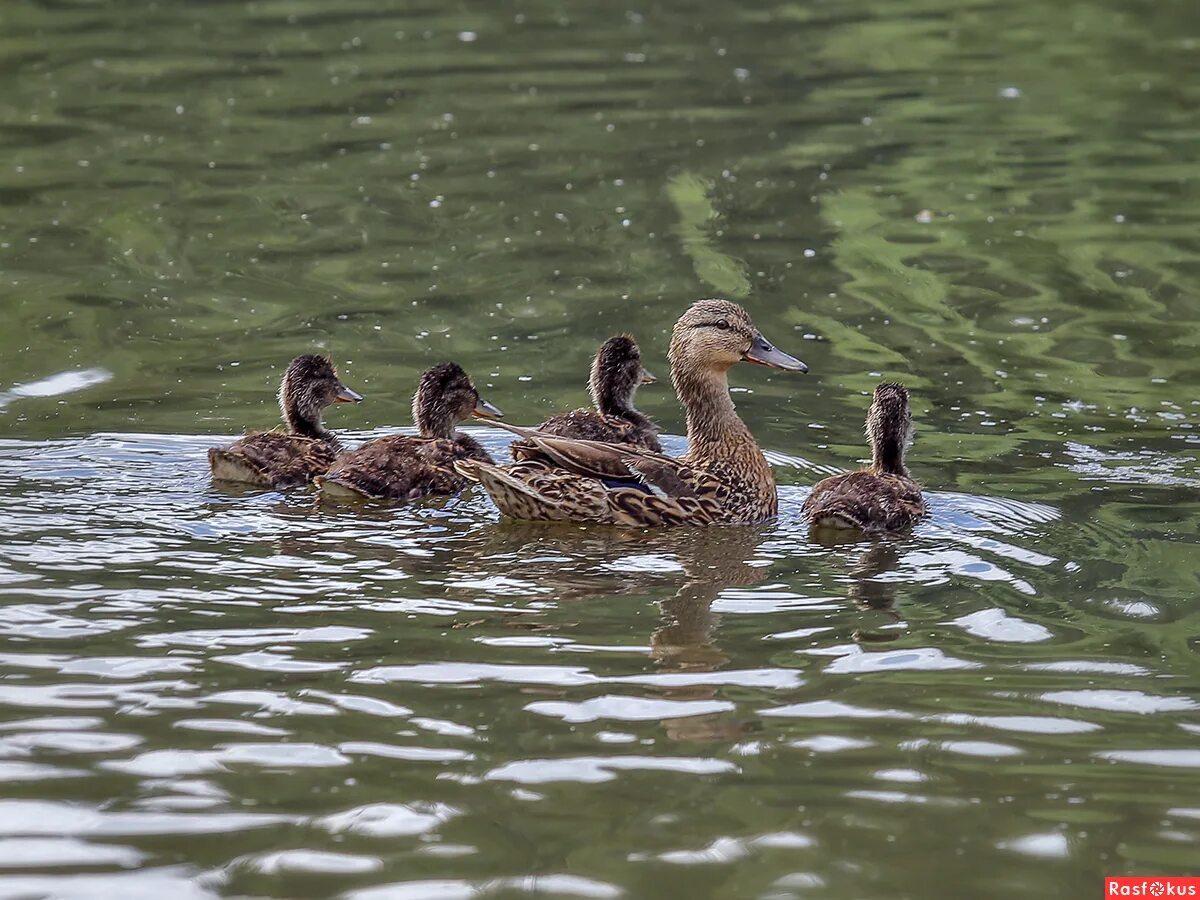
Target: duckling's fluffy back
{"x": 272, "y": 459}
{"x": 403, "y": 467}
{"x": 869, "y": 501}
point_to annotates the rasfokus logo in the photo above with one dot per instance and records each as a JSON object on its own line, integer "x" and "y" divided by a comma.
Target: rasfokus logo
{"x": 1152, "y": 886}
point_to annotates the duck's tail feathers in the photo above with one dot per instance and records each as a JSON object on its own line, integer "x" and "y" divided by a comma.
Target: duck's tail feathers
{"x": 229, "y": 466}
{"x": 837, "y": 520}
{"x": 338, "y": 490}
{"x": 512, "y": 496}
{"x": 468, "y": 469}
{"x": 493, "y": 478}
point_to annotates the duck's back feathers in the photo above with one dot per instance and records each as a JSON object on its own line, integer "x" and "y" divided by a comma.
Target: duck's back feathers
{"x": 402, "y": 467}
{"x": 539, "y": 492}
{"x": 866, "y": 500}
{"x": 589, "y": 425}
{"x": 272, "y": 459}
{"x": 591, "y": 481}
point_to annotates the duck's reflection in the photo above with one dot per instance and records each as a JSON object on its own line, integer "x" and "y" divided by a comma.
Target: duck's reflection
{"x": 869, "y": 591}
{"x": 712, "y": 560}
{"x": 598, "y": 563}
{"x": 585, "y": 563}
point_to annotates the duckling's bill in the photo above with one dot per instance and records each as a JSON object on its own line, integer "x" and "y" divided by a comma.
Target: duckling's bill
{"x": 485, "y": 410}
{"x": 764, "y": 353}
{"x": 345, "y": 395}
{"x": 647, "y": 377}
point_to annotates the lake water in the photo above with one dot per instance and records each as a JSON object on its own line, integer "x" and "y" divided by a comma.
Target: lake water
{"x": 207, "y": 691}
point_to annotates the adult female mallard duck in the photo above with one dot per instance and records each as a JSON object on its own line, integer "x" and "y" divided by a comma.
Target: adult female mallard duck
{"x": 722, "y": 479}
{"x": 883, "y": 496}
{"x": 280, "y": 459}
{"x": 403, "y": 467}
{"x": 617, "y": 372}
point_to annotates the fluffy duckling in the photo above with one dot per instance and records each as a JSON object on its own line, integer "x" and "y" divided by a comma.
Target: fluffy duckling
{"x": 617, "y": 372}
{"x": 403, "y": 467}
{"x": 723, "y": 479}
{"x": 883, "y": 496}
{"x": 280, "y": 459}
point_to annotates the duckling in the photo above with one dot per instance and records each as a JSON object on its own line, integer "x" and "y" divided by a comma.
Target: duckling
{"x": 403, "y": 467}
{"x": 289, "y": 459}
{"x": 723, "y": 479}
{"x": 882, "y": 497}
{"x": 617, "y": 372}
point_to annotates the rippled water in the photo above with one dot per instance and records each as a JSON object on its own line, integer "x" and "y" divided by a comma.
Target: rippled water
{"x": 210, "y": 691}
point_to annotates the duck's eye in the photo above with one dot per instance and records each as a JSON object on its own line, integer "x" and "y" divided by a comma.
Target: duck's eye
{"x": 723, "y": 324}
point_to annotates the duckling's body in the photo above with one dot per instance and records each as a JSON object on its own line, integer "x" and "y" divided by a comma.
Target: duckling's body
{"x": 404, "y": 467}
{"x": 882, "y": 497}
{"x": 616, "y": 373}
{"x": 722, "y": 479}
{"x": 284, "y": 459}
{"x": 272, "y": 459}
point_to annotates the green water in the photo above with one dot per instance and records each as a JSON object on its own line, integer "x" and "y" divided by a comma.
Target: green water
{"x": 206, "y": 692}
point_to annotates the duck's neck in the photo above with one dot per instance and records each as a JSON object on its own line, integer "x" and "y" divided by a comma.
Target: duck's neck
{"x": 434, "y": 423}
{"x": 714, "y": 429}
{"x": 608, "y": 403}
{"x": 887, "y": 455}
{"x": 301, "y": 422}
{"x": 608, "y": 400}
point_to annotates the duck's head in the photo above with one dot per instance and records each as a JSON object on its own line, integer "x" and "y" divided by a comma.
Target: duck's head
{"x": 717, "y": 334}
{"x": 310, "y": 384}
{"x": 889, "y": 425}
{"x": 617, "y": 371}
{"x": 446, "y": 396}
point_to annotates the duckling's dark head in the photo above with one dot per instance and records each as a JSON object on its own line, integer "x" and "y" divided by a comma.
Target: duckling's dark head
{"x": 717, "y": 334}
{"x": 616, "y": 373}
{"x": 310, "y": 384}
{"x": 446, "y": 396}
{"x": 889, "y": 425}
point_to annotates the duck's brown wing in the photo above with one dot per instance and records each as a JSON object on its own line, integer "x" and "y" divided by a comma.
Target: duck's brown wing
{"x": 587, "y": 425}
{"x": 272, "y": 458}
{"x": 865, "y": 500}
{"x": 539, "y": 492}
{"x": 590, "y": 481}
{"x": 608, "y": 462}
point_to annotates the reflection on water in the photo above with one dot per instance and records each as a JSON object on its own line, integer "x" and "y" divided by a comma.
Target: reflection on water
{"x": 53, "y": 385}
{"x": 213, "y": 691}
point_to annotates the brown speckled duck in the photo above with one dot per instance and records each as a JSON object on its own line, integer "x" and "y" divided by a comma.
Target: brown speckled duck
{"x": 617, "y": 372}
{"x": 280, "y": 459}
{"x": 722, "y": 479}
{"x": 883, "y": 497}
{"x": 404, "y": 467}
